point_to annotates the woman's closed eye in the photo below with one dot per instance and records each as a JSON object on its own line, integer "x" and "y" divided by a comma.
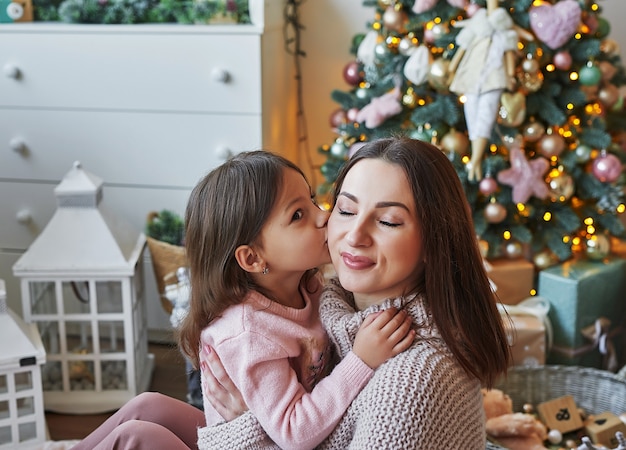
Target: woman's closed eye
{"x": 389, "y": 224}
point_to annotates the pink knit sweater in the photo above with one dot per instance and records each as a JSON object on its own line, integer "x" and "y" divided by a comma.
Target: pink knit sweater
{"x": 279, "y": 357}
{"x": 421, "y": 399}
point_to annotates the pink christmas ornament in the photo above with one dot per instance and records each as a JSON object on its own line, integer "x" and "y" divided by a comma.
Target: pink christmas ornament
{"x": 487, "y": 186}
{"x": 562, "y": 60}
{"x": 421, "y": 6}
{"x": 607, "y": 167}
{"x": 555, "y": 24}
{"x": 525, "y": 177}
{"x": 380, "y": 109}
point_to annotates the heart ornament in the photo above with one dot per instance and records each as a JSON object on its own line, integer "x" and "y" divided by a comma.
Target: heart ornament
{"x": 555, "y": 24}
{"x": 512, "y": 109}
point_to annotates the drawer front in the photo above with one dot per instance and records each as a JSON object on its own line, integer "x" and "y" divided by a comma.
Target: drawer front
{"x": 158, "y": 149}
{"x": 132, "y": 71}
{"x": 28, "y": 207}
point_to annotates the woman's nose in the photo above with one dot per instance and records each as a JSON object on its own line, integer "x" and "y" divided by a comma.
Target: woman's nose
{"x": 358, "y": 235}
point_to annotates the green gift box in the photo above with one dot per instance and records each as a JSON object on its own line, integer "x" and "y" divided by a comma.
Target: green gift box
{"x": 587, "y": 311}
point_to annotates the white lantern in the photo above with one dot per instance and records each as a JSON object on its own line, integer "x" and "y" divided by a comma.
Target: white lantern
{"x": 82, "y": 285}
{"x": 22, "y": 417}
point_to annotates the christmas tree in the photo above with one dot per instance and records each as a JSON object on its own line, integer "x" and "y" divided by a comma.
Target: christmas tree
{"x": 544, "y": 177}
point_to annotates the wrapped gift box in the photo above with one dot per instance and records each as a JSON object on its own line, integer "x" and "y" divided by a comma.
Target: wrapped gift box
{"x": 513, "y": 279}
{"x": 587, "y": 311}
{"x": 527, "y": 338}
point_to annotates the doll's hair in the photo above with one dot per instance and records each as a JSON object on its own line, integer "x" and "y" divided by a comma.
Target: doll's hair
{"x": 455, "y": 285}
{"x": 226, "y": 209}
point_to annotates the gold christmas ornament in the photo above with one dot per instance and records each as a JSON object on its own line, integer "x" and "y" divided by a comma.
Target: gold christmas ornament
{"x": 533, "y": 131}
{"x": 551, "y": 145}
{"x": 512, "y": 109}
{"x": 583, "y": 153}
{"x": 409, "y": 99}
{"x": 561, "y": 187}
{"x": 608, "y": 95}
{"x": 544, "y": 259}
{"x": 495, "y": 212}
{"x": 610, "y": 47}
{"x": 439, "y": 30}
{"x": 406, "y": 45}
{"x": 513, "y": 250}
{"x": 597, "y": 247}
{"x": 530, "y": 65}
{"x": 394, "y": 18}
{"x": 532, "y": 82}
{"x": 438, "y": 76}
{"x": 455, "y": 141}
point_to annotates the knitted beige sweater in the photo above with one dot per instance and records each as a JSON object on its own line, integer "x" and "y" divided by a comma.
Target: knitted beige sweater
{"x": 420, "y": 399}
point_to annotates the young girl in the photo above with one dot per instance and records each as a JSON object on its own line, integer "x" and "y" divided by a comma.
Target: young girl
{"x": 253, "y": 236}
{"x": 406, "y": 242}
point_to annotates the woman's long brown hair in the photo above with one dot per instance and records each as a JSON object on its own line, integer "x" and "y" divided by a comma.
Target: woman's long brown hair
{"x": 456, "y": 286}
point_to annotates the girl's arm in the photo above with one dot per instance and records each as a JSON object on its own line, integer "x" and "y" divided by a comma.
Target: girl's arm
{"x": 292, "y": 417}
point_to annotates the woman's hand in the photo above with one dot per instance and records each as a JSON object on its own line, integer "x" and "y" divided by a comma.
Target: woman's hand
{"x": 219, "y": 388}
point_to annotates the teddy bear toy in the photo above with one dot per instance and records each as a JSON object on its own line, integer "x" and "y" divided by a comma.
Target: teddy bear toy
{"x": 515, "y": 431}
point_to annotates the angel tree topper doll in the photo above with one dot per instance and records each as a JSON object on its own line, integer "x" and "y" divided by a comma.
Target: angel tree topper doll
{"x": 482, "y": 67}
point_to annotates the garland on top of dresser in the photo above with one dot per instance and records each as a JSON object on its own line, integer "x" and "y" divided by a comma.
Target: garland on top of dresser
{"x": 142, "y": 11}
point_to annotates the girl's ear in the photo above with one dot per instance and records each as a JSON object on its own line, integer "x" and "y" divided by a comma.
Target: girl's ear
{"x": 248, "y": 259}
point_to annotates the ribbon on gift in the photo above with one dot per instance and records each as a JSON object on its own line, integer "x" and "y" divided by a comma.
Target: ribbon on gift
{"x": 536, "y": 306}
{"x": 600, "y": 335}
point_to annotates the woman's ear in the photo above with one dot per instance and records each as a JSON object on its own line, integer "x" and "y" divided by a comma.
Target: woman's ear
{"x": 248, "y": 259}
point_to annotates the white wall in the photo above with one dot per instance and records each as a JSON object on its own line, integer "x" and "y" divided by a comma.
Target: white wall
{"x": 330, "y": 26}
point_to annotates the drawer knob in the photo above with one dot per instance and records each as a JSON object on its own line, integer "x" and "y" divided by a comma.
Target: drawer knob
{"x": 223, "y": 152}
{"x": 18, "y": 145}
{"x": 220, "y": 75}
{"x": 11, "y": 71}
{"x": 24, "y": 216}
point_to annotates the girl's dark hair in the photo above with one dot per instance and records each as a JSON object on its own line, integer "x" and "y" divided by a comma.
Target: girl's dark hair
{"x": 456, "y": 287}
{"x": 226, "y": 209}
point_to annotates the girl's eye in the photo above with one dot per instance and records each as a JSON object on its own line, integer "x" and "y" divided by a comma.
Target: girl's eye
{"x": 297, "y": 215}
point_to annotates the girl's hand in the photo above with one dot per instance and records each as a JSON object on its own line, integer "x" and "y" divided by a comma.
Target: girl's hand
{"x": 383, "y": 336}
{"x": 218, "y": 388}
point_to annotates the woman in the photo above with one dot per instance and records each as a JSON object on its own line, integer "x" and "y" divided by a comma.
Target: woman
{"x": 407, "y": 241}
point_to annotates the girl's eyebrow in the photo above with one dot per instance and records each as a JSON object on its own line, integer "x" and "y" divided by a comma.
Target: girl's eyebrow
{"x": 384, "y": 204}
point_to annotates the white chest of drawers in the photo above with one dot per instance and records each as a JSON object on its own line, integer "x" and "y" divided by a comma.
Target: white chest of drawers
{"x": 148, "y": 108}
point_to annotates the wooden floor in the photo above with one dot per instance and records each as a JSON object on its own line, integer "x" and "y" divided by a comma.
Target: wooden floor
{"x": 168, "y": 378}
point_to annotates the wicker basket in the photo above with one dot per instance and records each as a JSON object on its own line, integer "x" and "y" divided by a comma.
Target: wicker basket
{"x": 593, "y": 390}
{"x": 166, "y": 259}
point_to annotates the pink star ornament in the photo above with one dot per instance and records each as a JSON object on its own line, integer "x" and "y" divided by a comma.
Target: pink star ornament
{"x": 525, "y": 177}
{"x": 380, "y": 109}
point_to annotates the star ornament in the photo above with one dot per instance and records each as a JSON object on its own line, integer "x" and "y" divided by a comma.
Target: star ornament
{"x": 525, "y": 177}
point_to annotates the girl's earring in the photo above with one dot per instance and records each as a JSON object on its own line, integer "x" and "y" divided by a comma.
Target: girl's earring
{"x": 266, "y": 270}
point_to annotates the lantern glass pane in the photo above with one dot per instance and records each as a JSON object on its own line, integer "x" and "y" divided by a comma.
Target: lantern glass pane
{"x": 51, "y": 376}
{"x": 5, "y": 435}
{"x": 76, "y": 297}
{"x": 49, "y": 332}
{"x": 81, "y": 375}
{"x": 4, "y": 388}
{"x": 112, "y": 337}
{"x": 4, "y": 409}
{"x": 27, "y": 431}
{"x": 25, "y": 406}
{"x": 42, "y": 297}
{"x": 109, "y": 297}
{"x": 79, "y": 337}
{"x": 114, "y": 375}
{"x": 23, "y": 381}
